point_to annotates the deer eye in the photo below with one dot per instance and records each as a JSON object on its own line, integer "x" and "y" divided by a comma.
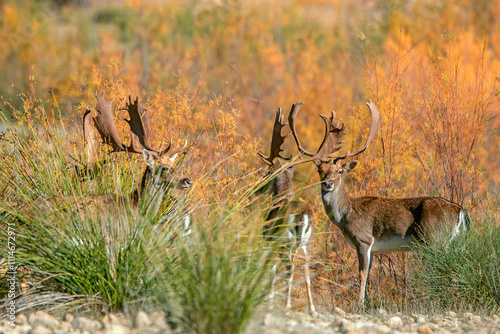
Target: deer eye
{"x": 341, "y": 171}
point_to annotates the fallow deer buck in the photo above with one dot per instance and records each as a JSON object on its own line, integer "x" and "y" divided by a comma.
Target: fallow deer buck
{"x": 373, "y": 224}
{"x": 158, "y": 180}
{"x": 287, "y": 218}
{"x": 160, "y": 175}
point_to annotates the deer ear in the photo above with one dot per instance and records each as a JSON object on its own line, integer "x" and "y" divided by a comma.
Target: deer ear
{"x": 349, "y": 166}
{"x": 173, "y": 157}
{"x": 148, "y": 158}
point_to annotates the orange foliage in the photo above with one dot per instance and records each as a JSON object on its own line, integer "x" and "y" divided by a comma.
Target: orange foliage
{"x": 214, "y": 72}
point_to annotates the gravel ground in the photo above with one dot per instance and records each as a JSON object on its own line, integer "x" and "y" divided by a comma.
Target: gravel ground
{"x": 275, "y": 321}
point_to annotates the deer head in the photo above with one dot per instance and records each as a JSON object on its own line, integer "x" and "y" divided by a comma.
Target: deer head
{"x": 330, "y": 167}
{"x": 160, "y": 169}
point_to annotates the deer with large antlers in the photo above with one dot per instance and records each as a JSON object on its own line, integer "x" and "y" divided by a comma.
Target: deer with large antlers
{"x": 373, "y": 224}
{"x": 287, "y": 218}
{"x": 160, "y": 164}
{"x": 158, "y": 180}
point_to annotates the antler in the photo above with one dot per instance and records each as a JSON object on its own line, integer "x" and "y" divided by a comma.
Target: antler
{"x": 89, "y": 139}
{"x": 105, "y": 124}
{"x": 375, "y": 124}
{"x": 334, "y": 130}
{"x": 139, "y": 126}
{"x": 277, "y": 140}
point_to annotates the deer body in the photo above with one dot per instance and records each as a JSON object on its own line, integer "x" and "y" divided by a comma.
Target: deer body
{"x": 288, "y": 219}
{"x": 373, "y": 224}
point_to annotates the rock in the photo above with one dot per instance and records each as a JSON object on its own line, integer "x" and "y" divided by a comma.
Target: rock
{"x": 158, "y": 319}
{"x": 476, "y": 320}
{"x": 142, "y": 320}
{"x": 424, "y": 330}
{"x": 43, "y": 319}
{"x": 66, "y": 327}
{"x": 338, "y": 311}
{"x": 382, "y": 312}
{"x": 21, "y": 319}
{"x": 69, "y": 317}
{"x": 420, "y": 319}
{"x": 451, "y": 314}
{"x": 39, "y": 329}
{"x": 85, "y": 324}
{"x": 115, "y": 328}
{"x": 395, "y": 322}
{"x": 23, "y": 329}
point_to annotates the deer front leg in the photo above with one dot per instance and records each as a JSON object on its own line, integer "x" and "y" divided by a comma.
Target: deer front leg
{"x": 364, "y": 259}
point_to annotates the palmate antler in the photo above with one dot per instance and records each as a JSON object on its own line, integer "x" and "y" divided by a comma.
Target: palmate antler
{"x": 139, "y": 124}
{"x": 276, "y": 141}
{"x": 334, "y": 130}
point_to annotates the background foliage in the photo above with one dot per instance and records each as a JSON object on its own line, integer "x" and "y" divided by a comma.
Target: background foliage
{"x": 214, "y": 71}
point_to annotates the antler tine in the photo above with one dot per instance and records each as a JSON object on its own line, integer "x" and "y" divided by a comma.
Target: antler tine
{"x": 139, "y": 125}
{"x": 276, "y": 141}
{"x": 89, "y": 137}
{"x": 375, "y": 124}
{"x": 334, "y": 130}
{"x": 291, "y": 121}
{"x": 105, "y": 124}
{"x": 182, "y": 149}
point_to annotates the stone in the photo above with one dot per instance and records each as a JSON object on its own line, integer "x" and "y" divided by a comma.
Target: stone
{"x": 451, "y": 314}
{"x": 338, "y": 311}
{"x": 43, "y": 319}
{"x": 66, "y": 326}
{"x": 86, "y": 324}
{"x": 115, "y": 328}
{"x": 69, "y": 317}
{"x": 142, "y": 320}
{"x": 158, "y": 319}
{"x": 420, "y": 319}
{"x": 40, "y": 329}
{"x": 21, "y": 319}
{"x": 23, "y": 329}
{"x": 382, "y": 312}
{"x": 476, "y": 320}
{"x": 395, "y": 322}
{"x": 424, "y": 330}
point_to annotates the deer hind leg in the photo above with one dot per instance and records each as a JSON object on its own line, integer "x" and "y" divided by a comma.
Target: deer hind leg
{"x": 307, "y": 273}
{"x": 290, "y": 268}
{"x": 273, "y": 283}
{"x": 364, "y": 259}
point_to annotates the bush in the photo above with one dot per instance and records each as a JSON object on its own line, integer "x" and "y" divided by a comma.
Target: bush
{"x": 464, "y": 273}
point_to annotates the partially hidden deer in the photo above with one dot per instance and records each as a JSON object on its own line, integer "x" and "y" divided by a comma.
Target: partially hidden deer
{"x": 287, "y": 218}
{"x": 373, "y": 224}
{"x": 159, "y": 178}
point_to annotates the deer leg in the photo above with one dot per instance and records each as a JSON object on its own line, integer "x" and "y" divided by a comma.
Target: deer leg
{"x": 364, "y": 257}
{"x": 273, "y": 283}
{"x": 290, "y": 269}
{"x": 307, "y": 259}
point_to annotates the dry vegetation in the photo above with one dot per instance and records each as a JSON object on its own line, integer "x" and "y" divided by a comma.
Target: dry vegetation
{"x": 215, "y": 71}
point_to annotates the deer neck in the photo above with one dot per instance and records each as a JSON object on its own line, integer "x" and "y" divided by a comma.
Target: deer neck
{"x": 149, "y": 186}
{"x": 337, "y": 204}
{"x": 282, "y": 188}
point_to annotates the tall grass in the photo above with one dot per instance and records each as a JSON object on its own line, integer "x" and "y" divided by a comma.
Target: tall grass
{"x": 462, "y": 274}
{"x": 220, "y": 275}
{"x": 95, "y": 251}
